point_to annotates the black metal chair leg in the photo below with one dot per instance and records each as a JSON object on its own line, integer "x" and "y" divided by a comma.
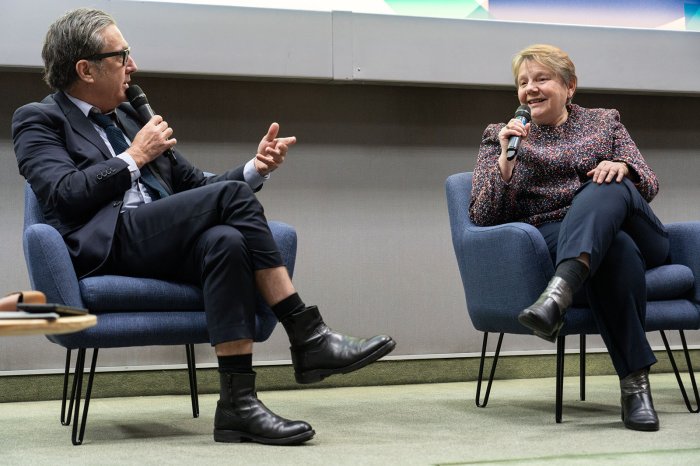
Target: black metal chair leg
{"x": 482, "y": 404}
{"x": 79, "y": 360}
{"x": 77, "y": 391}
{"x": 66, "y": 375}
{"x": 691, "y": 374}
{"x": 88, "y": 392}
{"x": 78, "y": 430}
{"x": 559, "y": 378}
{"x": 582, "y": 367}
{"x": 192, "y": 372}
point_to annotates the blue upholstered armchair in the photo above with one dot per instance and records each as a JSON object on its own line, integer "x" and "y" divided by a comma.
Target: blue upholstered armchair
{"x": 131, "y": 311}
{"x": 504, "y": 268}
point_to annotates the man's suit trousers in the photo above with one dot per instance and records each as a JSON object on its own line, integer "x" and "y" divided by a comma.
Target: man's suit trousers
{"x": 617, "y": 228}
{"x": 215, "y": 236}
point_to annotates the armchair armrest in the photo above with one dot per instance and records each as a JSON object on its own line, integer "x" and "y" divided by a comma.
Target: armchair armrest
{"x": 684, "y": 240}
{"x": 49, "y": 265}
{"x": 286, "y": 239}
{"x": 503, "y": 267}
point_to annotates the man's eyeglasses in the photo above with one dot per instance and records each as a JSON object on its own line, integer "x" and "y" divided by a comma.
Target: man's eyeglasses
{"x": 123, "y": 53}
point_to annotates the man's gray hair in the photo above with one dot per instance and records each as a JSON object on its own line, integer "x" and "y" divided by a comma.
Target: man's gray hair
{"x": 73, "y": 36}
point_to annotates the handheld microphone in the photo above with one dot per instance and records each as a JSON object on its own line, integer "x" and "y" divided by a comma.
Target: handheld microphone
{"x": 522, "y": 114}
{"x": 138, "y": 100}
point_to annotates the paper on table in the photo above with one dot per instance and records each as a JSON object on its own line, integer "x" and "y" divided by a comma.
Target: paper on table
{"x": 11, "y": 315}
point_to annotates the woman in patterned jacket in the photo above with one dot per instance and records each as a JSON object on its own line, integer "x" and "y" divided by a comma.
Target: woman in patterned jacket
{"x": 580, "y": 179}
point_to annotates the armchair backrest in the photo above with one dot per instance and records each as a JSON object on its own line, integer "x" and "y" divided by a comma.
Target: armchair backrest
{"x": 48, "y": 263}
{"x": 32, "y": 209}
{"x": 459, "y": 195}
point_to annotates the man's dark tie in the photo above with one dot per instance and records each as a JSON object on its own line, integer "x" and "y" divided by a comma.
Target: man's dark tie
{"x": 116, "y": 138}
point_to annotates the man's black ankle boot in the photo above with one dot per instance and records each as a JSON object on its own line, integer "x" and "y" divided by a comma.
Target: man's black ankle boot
{"x": 318, "y": 351}
{"x": 242, "y": 417}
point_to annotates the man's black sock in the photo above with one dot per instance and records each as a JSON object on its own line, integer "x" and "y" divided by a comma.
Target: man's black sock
{"x": 574, "y": 272}
{"x": 237, "y": 363}
{"x": 289, "y": 305}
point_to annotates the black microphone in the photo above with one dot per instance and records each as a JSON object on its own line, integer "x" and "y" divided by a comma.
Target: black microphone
{"x": 522, "y": 114}
{"x": 138, "y": 100}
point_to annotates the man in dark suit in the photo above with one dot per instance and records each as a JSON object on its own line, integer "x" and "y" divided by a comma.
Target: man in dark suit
{"x": 124, "y": 208}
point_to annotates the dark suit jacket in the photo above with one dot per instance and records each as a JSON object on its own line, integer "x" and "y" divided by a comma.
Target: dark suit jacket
{"x": 77, "y": 181}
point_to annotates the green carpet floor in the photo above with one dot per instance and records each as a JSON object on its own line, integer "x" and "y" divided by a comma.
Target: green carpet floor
{"x": 423, "y": 424}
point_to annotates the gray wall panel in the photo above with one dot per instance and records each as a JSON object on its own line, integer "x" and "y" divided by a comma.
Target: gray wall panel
{"x": 187, "y": 39}
{"x": 193, "y": 39}
{"x": 478, "y": 52}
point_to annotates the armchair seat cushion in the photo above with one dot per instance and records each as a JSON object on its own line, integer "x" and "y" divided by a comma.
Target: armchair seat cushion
{"x": 151, "y": 311}
{"x": 672, "y": 314}
{"x": 669, "y": 282}
{"x": 119, "y": 293}
{"x": 127, "y": 329}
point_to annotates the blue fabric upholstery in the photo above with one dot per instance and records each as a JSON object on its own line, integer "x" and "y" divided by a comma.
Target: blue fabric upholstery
{"x": 669, "y": 282}
{"x": 131, "y": 311}
{"x": 504, "y": 268}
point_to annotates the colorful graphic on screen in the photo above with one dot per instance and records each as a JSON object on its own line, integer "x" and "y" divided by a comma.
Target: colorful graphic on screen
{"x": 472, "y": 9}
{"x": 648, "y": 14}
{"x": 678, "y": 15}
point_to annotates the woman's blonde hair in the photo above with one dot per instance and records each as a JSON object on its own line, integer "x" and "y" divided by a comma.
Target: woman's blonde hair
{"x": 550, "y": 56}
